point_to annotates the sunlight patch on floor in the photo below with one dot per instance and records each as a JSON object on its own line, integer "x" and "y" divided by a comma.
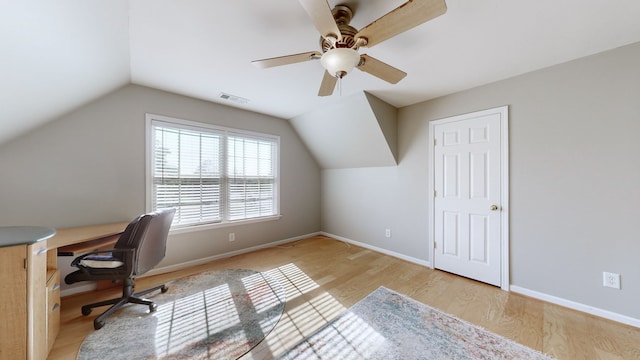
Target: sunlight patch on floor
{"x": 307, "y": 310}
{"x": 179, "y": 322}
{"x": 352, "y": 338}
{"x": 214, "y": 311}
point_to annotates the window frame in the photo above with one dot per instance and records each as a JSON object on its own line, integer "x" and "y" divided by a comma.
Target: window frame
{"x": 151, "y": 119}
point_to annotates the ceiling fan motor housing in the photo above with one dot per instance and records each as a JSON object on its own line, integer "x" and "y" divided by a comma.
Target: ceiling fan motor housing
{"x": 342, "y": 14}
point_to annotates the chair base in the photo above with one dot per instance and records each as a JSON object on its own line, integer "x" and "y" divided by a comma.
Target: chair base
{"x": 127, "y": 297}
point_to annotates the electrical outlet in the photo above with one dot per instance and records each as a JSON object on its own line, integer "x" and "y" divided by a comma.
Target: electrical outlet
{"x": 611, "y": 280}
{"x": 232, "y": 236}
{"x": 387, "y": 233}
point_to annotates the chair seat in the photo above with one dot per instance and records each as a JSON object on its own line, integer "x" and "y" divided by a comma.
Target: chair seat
{"x": 101, "y": 262}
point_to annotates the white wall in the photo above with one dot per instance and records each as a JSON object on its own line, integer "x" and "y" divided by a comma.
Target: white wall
{"x": 575, "y": 175}
{"x": 88, "y": 167}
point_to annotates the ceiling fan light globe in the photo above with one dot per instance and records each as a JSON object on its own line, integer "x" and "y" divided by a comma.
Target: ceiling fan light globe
{"x": 340, "y": 61}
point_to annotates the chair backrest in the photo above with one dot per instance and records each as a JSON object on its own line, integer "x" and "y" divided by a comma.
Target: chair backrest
{"x": 147, "y": 234}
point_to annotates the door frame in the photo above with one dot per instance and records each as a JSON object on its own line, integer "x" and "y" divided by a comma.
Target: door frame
{"x": 503, "y": 111}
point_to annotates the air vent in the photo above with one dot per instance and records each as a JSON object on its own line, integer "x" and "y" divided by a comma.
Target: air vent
{"x": 235, "y": 99}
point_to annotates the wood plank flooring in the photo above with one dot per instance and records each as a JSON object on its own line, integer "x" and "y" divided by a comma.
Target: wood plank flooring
{"x": 326, "y": 276}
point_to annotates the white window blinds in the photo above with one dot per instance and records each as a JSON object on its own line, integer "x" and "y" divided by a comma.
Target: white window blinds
{"x": 211, "y": 174}
{"x": 251, "y": 177}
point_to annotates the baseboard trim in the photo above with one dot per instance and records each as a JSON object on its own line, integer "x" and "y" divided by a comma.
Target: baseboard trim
{"x": 380, "y": 250}
{"x": 577, "y": 306}
{"x": 184, "y": 265}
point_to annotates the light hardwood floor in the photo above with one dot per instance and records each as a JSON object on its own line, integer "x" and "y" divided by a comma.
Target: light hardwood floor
{"x": 327, "y": 276}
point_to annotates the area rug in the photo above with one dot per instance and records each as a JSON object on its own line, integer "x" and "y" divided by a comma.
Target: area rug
{"x": 388, "y": 325}
{"x": 211, "y": 315}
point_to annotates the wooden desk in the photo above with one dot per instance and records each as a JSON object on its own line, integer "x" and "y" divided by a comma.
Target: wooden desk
{"x": 75, "y": 240}
{"x": 24, "y": 266}
{"x": 79, "y": 240}
{"x": 76, "y": 235}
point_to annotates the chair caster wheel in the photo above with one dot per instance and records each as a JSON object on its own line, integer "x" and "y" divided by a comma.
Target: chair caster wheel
{"x": 164, "y": 289}
{"x": 98, "y": 324}
{"x": 86, "y": 311}
{"x": 153, "y": 307}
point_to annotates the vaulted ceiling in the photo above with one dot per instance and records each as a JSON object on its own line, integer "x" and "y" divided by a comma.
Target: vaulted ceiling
{"x": 58, "y": 55}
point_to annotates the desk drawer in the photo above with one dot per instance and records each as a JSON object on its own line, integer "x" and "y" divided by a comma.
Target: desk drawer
{"x": 53, "y": 308}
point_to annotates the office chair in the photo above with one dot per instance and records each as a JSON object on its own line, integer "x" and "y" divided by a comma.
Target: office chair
{"x": 141, "y": 246}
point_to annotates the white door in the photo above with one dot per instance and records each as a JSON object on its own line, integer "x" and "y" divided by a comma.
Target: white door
{"x": 469, "y": 195}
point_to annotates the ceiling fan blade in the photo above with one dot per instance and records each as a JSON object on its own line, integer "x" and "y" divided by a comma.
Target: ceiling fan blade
{"x": 404, "y": 17}
{"x": 328, "y": 84}
{"x": 286, "y": 60}
{"x": 379, "y": 69}
{"x": 322, "y": 17}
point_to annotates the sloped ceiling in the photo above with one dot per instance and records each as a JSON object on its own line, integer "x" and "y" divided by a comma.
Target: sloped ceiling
{"x": 58, "y": 55}
{"x": 356, "y": 131}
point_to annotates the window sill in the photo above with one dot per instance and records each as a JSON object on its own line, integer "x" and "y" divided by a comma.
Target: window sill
{"x": 188, "y": 229}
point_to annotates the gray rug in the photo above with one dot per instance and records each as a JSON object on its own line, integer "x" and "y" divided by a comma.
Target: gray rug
{"x": 211, "y": 315}
{"x": 388, "y": 325}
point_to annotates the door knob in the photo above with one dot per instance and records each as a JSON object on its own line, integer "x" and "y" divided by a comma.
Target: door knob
{"x": 493, "y": 207}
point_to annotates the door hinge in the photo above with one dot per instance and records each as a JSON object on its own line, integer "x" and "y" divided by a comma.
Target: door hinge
{"x": 435, "y": 193}
{"x": 25, "y": 263}
{"x": 435, "y": 245}
{"x": 435, "y": 142}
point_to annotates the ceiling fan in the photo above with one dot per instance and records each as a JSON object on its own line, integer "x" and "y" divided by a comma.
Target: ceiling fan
{"x": 340, "y": 42}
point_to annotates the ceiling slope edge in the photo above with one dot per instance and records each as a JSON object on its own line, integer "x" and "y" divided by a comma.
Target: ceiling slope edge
{"x": 356, "y": 131}
{"x": 387, "y": 117}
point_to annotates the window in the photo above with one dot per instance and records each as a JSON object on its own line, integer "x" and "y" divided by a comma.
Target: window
{"x": 211, "y": 174}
